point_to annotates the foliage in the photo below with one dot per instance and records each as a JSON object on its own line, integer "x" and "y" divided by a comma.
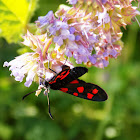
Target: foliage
{"x": 14, "y": 18}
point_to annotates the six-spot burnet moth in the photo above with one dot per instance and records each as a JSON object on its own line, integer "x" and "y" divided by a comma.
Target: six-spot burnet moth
{"x": 68, "y": 82}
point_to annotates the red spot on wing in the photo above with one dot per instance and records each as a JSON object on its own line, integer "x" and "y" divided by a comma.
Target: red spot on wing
{"x": 64, "y": 89}
{"x": 52, "y": 82}
{"x": 89, "y": 95}
{"x": 63, "y": 72}
{"x": 65, "y": 75}
{"x": 80, "y": 89}
{"x": 74, "y": 82}
{"x": 95, "y": 91}
{"x": 75, "y": 94}
{"x": 59, "y": 76}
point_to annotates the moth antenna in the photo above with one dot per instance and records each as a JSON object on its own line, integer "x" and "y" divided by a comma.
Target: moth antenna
{"x": 53, "y": 71}
{"x": 49, "y": 109}
{"x": 29, "y": 94}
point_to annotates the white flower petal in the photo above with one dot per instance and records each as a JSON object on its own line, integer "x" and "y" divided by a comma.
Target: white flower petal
{"x": 19, "y": 78}
{"x": 48, "y": 76}
{"x": 6, "y": 64}
{"x": 28, "y": 83}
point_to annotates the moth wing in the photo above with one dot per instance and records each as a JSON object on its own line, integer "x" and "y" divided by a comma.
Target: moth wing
{"x": 85, "y": 90}
{"x": 66, "y": 76}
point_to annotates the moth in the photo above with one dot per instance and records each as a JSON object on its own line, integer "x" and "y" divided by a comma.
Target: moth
{"x": 67, "y": 81}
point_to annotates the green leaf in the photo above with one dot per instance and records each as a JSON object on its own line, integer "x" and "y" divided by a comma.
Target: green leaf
{"x": 14, "y": 17}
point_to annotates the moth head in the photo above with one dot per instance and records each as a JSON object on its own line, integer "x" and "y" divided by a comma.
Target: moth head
{"x": 64, "y": 67}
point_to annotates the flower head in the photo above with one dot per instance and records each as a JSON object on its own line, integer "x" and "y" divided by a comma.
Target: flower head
{"x": 90, "y": 30}
{"x": 37, "y": 63}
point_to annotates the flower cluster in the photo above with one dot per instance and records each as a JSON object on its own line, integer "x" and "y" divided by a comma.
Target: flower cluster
{"x": 89, "y": 31}
{"x": 36, "y": 64}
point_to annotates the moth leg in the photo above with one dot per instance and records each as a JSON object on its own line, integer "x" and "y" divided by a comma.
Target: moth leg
{"x": 49, "y": 109}
{"x": 46, "y": 92}
{"x": 41, "y": 80}
{"x": 51, "y": 69}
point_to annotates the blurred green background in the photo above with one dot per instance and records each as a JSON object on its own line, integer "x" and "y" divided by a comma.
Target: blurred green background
{"x": 118, "y": 118}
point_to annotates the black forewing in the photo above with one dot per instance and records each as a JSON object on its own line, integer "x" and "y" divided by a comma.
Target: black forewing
{"x": 85, "y": 90}
{"x": 66, "y": 76}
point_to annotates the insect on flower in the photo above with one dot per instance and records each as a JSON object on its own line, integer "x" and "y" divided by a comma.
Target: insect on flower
{"x": 68, "y": 82}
